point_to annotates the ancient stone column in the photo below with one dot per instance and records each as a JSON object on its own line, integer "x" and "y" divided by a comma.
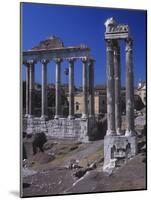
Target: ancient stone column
{"x": 85, "y": 95}
{"x": 91, "y": 87}
{"x": 110, "y": 89}
{"x": 27, "y": 89}
{"x": 31, "y": 87}
{"x": 117, "y": 79}
{"x": 129, "y": 89}
{"x": 58, "y": 94}
{"x": 44, "y": 89}
{"x": 71, "y": 88}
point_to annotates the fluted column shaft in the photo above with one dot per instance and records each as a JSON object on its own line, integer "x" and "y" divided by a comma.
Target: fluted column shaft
{"x": 117, "y": 79}
{"x": 44, "y": 89}
{"x": 71, "y": 88}
{"x": 91, "y": 87}
{"x": 85, "y": 95}
{"x": 58, "y": 82}
{"x": 129, "y": 88}
{"x": 31, "y": 87}
{"x": 110, "y": 89}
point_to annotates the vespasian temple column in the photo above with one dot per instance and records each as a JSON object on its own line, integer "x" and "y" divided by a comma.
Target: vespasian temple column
{"x": 110, "y": 88}
{"x": 27, "y": 88}
{"x": 71, "y": 88}
{"x": 85, "y": 93}
{"x": 117, "y": 79}
{"x": 44, "y": 89}
{"x": 31, "y": 87}
{"x": 91, "y": 87}
{"x": 129, "y": 88}
{"x": 58, "y": 94}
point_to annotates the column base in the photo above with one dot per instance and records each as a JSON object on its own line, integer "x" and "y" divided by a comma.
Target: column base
{"x": 117, "y": 150}
{"x": 119, "y": 131}
{"x": 57, "y": 116}
{"x": 30, "y": 116}
{"x": 44, "y": 117}
{"x": 71, "y": 117}
{"x": 26, "y": 115}
{"x": 84, "y": 116}
{"x": 130, "y": 133}
{"x": 111, "y": 133}
{"x": 91, "y": 116}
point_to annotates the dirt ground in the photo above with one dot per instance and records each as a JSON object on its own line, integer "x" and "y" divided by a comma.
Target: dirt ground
{"x": 47, "y": 172}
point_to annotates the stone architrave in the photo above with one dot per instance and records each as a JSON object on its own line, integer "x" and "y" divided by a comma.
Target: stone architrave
{"x": 58, "y": 82}
{"x": 129, "y": 88}
{"x": 31, "y": 87}
{"x": 110, "y": 89}
{"x": 85, "y": 88}
{"x": 44, "y": 89}
{"x": 117, "y": 80}
{"x": 71, "y": 88}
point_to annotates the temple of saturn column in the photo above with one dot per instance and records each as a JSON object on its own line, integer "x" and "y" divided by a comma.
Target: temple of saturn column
{"x": 53, "y": 50}
{"x": 118, "y": 144}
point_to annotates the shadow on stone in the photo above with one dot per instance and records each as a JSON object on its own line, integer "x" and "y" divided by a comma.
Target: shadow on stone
{"x": 98, "y": 132}
{"x": 142, "y": 147}
{"x": 26, "y": 185}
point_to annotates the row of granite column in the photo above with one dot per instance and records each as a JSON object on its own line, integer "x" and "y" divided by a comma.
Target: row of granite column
{"x": 88, "y": 88}
{"x": 114, "y": 115}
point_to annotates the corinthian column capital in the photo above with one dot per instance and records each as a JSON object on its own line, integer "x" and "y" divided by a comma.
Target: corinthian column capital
{"x": 84, "y": 59}
{"x": 58, "y": 60}
{"x": 109, "y": 45}
{"x": 91, "y": 61}
{"x": 31, "y": 62}
{"x": 71, "y": 60}
{"x": 129, "y": 44}
{"x": 44, "y": 61}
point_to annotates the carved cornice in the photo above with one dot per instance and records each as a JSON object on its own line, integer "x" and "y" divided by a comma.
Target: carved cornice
{"x": 114, "y": 31}
{"x": 123, "y": 28}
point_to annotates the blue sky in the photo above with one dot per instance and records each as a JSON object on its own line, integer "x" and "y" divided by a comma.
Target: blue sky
{"x": 83, "y": 25}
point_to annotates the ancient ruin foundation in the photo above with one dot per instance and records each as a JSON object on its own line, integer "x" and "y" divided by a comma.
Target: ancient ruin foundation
{"x": 118, "y": 145}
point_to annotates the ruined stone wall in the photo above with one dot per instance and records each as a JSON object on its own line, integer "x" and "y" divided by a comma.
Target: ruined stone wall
{"x": 62, "y": 128}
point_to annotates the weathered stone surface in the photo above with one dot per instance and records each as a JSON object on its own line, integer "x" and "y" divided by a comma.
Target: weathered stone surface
{"x": 114, "y": 31}
{"x": 117, "y": 149}
{"x": 117, "y": 80}
{"x": 50, "y": 43}
{"x": 62, "y": 128}
{"x": 44, "y": 89}
{"x": 129, "y": 88}
{"x": 110, "y": 88}
{"x": 71, "y": 88}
